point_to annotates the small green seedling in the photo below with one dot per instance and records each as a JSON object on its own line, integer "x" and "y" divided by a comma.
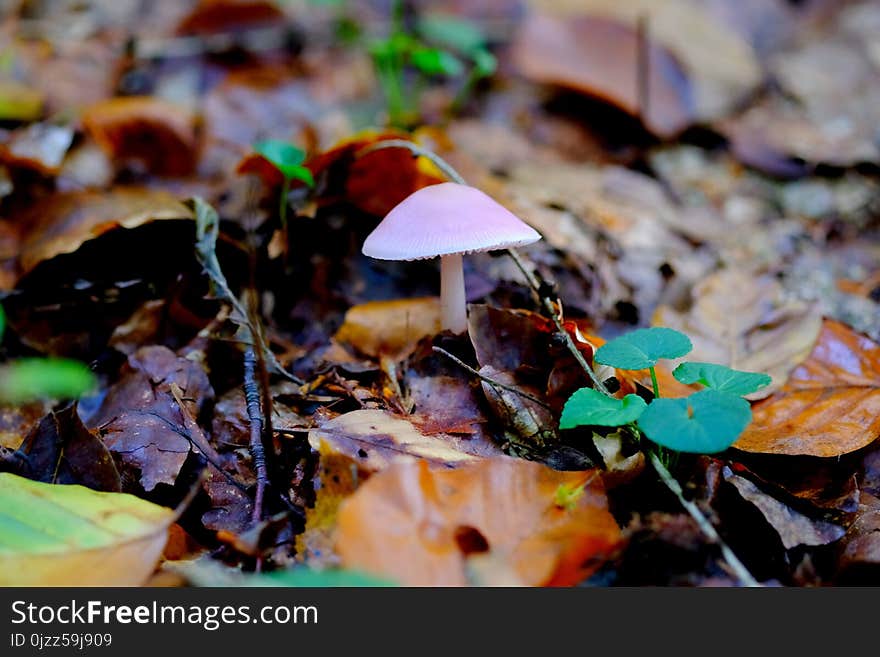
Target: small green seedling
{"x": 288, "y": 160}
{"x": 437, "y": 46}
{"x": 29, "y": 379}
{"x": 705, "y": 422}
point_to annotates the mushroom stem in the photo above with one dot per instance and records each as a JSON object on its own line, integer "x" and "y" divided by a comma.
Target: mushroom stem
{"x": 453, "y": 304}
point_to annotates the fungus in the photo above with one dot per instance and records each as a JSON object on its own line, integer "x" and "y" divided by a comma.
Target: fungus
{"x": 447, "y": 221}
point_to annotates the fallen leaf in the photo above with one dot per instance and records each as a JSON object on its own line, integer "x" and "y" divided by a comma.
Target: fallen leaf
{"x": 65, "y": 221}
{"x": 861, "y": 545}
{"x": 61, "y": 450}
{"x": 155, "y": 132}
{"x": 375, "y": 439}
{"x": 600, "y": 57}
{"x": 40, "y": 147}
{"x": 54, "y": 535}
{"x": 419, "y": 526}
{"x": 794, "y": 528}
{"x": 746, "y": 323}
{"x": 720, "y": 64}
{"x": 391, "y": 328}
{"x": 19, "y": 102}
{"x": 830, "y": 405}
{"x": 141, "y": 422}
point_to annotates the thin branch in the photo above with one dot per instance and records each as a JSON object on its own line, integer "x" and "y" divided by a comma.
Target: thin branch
{"x": 492, "y": 382}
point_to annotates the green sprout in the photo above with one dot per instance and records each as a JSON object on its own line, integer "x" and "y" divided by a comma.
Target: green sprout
{"x": 705, "y": 422}
{"x": 437, "y": 46}
{"x": 29, "y": 379}
{"x": 288, "y": 161}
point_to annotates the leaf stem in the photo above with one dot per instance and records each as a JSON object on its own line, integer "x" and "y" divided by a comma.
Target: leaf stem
{"x": 654, "y": 383}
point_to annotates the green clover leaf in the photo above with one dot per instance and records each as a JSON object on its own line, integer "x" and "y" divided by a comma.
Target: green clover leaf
{"x": 721, "y": 378}
{"x": 590, "y": 407}
{"x": 642, "y": 348}
{"x": 706, "y": 422}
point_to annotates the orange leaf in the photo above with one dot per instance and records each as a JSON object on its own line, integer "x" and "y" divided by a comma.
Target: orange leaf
{"x": 391, "y": 327}
{"x": 211, "y": 16}
{"x": 144, "y": 128}
{"x": 374, "y": 182}
{"x": 422, "y": 527}
{"x": 830, "y": 405}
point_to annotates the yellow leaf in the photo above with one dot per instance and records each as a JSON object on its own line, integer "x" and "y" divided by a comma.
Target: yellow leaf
{"x": 54, "y": 535}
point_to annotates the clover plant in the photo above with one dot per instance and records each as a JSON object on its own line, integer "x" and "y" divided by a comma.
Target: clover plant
{"x": 705, "y": 422}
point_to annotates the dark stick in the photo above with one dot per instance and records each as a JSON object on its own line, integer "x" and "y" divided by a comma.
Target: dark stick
{"x": 255, "y": 417}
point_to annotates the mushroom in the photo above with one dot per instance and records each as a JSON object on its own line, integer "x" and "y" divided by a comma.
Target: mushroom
{"x": 447, "y": 220}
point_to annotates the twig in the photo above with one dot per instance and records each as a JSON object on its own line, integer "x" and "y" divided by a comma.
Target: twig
{"x": 255, "y": 418}
{"x": 741, "y": 572}
{"x": 489, "y": 380}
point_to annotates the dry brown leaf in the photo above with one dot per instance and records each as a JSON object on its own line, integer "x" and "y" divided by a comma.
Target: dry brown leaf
{"x": 419, "y": 526}
{"x": 40, "y": 147}
{"x": 390, "y": 328}
{"x": 374, "y": 439}
{"x": 747, "y": 323}
{"x": 794, "y": 528}
{"x": 64, "y": 221}
{"x": 600, "y": 57}
{"x": 148, "y": 129}
{"x": 720, "y": 63}
{"x": 830, "y": 405}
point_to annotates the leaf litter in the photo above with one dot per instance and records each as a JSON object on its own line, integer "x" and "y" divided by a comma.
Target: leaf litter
{"x": 704, "y": 167}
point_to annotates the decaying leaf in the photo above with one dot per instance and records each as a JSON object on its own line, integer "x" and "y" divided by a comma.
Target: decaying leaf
{"x": 794, "y": 528}
{"x": 861, "y": 545}
{"x": 40, "y": 147}
{"x": 54, "y": 535}
{"x": 375, "y": 439}
{"x": 719, "y": 62}
{"x": 523, "y": 417}
{"x": 830, "y": 405}
{"x": 155, "y": 132}
{"x": 391, "y": 328}
{"x": 748, "y": 324}
{"x": 419, "y": 526}
{"x": 140, "y": 420}
{"x": 61, "y": 450}
{"x": 600, "y": 57}
{"x": 66, "y": 220}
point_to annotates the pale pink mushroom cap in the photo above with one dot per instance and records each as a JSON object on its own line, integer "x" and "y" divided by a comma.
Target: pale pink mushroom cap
{"x": 446, "y": 219}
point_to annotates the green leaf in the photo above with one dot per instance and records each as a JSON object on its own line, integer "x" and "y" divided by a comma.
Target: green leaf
{"x": 285, "y": 157}
{"x": 642, "y": 349}
{"x": 719, "y": 377}
{"x": 458, "y": 34}
{"x": 2, "y": 322}
{"x": 708, "y": 421}
{"x": 590, "y": 407}
{"x": 432, "y": 61}
{"x": 54, "y": 535}
{"x": 44, "y": 378}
